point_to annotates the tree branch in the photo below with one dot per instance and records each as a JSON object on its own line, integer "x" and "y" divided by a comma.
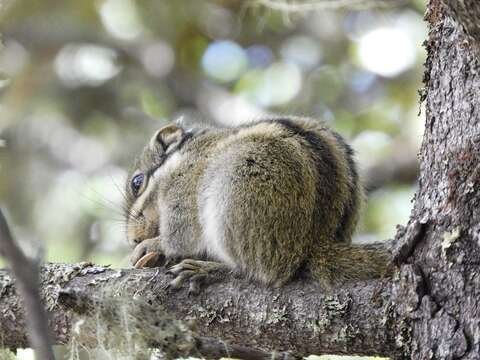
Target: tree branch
{"x": 26, "y": 275}
{"x": 322, "y": 5}
{"x": 402, "y": 168}
{"x": 301, "y": 317}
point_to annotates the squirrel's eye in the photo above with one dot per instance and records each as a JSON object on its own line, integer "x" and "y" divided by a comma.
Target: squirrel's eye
{"x": 137, "y": 183}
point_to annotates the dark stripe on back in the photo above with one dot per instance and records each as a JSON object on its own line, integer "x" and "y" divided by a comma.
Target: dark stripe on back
{"x": 325, "y": 161}
{"x": 352, "y": 205}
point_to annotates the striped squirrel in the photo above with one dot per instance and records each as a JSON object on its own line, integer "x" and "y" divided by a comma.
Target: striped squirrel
{"x": 271, "y": 200}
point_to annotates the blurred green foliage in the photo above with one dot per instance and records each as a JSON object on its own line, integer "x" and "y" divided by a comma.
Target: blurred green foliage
{"x": 84, "y": 83}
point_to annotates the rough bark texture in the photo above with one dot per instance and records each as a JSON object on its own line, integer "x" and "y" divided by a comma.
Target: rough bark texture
{"x": 442, "y": 283}
{"x": 465, "y": 13}
{"x": 300, "y": 317}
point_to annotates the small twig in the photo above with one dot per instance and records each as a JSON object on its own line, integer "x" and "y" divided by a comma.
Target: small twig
{"x": 402, "y": 168}
{"x": 26, "y": 275}
{"x": 308, "y": 6}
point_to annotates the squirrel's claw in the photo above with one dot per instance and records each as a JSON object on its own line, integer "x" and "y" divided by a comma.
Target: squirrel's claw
{"x": 144, "y": 248}
{"x": 180, "y": 279}
{"x": 197, "y": 272}
{"x": 186, "y": 265}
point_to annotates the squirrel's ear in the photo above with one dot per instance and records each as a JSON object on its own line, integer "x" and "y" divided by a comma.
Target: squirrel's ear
{"x": 167, "y": 136}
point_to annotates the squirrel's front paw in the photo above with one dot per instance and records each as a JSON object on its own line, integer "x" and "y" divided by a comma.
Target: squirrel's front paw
{"x": 197, "y": 272}
{"x": 147, "y": 254}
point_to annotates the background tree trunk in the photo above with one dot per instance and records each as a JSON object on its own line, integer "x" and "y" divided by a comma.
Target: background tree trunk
{"x": 443, "y": 283}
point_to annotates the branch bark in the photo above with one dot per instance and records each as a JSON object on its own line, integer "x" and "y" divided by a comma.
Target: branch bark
{"x": 26, "y": 275}
{"x": 301, "y": 317}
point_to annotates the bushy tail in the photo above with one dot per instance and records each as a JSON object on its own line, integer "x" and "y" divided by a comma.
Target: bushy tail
{"x": 341, "y": 263}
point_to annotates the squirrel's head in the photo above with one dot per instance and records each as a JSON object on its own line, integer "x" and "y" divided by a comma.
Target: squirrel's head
{"x": 141, "y": 208}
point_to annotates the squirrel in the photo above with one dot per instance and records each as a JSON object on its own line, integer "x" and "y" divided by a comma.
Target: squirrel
{"x": 271, "y": 200}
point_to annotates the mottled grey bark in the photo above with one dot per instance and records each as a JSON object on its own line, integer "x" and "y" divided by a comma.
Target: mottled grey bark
{"x": 439, "y": 281}
{"x": 301, "y": 317}
{"x": 465, "y": 13}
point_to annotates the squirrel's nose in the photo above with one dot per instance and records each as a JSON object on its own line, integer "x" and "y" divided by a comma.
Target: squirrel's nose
{"x": 137, "y": 241}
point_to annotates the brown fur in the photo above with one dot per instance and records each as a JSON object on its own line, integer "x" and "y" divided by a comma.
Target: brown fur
{"x": 270, "y": 200}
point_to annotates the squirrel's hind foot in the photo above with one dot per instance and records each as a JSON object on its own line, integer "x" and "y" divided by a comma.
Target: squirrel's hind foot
{"x": 198, "y": 273}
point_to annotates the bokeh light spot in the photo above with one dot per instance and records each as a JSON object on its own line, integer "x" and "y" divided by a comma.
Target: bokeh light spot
{"x": 277, "y": 85}
{"x": 158, "y": 59}
{"x": 259, "y": 56}
{"x": 120, "y": 18}
{"x": 386, "y": 51}
{"x": 301, "y": 50}
{"x": 224, "y": 60}
{"x": 86, "y": 64}
{"x": 281, "y": 83}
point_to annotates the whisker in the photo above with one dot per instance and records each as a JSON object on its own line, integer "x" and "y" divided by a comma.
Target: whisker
{"x": 103, "y": 205}
{"x": 120, "y": 190}
{"x": 107, "y": 201}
